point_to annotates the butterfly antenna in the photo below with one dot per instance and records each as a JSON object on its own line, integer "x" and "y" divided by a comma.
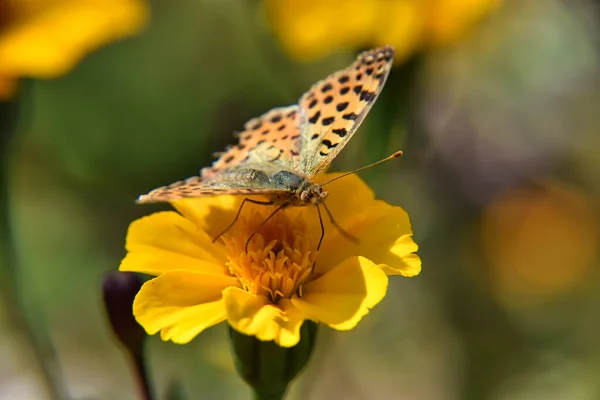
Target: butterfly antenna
{"x": 391, "y": 157}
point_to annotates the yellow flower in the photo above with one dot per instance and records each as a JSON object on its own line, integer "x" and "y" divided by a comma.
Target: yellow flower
{"x": 268, "y": 291}
{"x": 312, "y": 28}
{"x": 46, "y": 38}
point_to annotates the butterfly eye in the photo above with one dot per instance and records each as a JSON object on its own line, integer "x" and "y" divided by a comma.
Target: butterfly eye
{"x": 304, "y": 195}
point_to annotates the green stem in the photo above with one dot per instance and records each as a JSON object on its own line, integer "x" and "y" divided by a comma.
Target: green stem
{"x": 271, "y": 395}
{"x": 37, "y": 342}
{"x": 139, "y": 365}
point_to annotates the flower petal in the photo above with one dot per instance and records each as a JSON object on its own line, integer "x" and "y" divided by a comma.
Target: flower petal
{"x": 339, "y": 199}
{"x": 46, "y": 38}
{"x": 408, "y": 25}
{"x": 156, "y": 262}
{"x": 408, "y": 263}
{"x": 167, "y": 241}
{"x": 212, "y": 213}
{"x": 384, "y": 231}
{"x": 342, "y": 296}
{"x": 290, "y": 19}
{"x": 449, "y": 20}
{"x": 255, "y": 316}
{"x": 289, "y": 335}
{"x": 181, "y": 304}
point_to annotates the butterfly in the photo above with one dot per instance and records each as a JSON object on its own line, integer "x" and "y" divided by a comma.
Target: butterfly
{"x": 280, "y": 152}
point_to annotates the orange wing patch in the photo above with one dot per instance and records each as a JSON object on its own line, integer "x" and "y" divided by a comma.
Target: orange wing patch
{"x": 276, "y": 133}
{"x": 336, "y": 106}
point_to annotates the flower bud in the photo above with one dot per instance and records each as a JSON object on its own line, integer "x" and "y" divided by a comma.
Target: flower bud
{"x": 119, "y": 289}
{"x": 267, "y": 367}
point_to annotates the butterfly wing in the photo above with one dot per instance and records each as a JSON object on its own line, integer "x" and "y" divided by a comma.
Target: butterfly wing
{"x": 302, "y": 138}
{"x": 268, "y": 144}
{"x": 238, "y": 181}
{"x": 273, "y": 138}
{"x": 336, "y": 106}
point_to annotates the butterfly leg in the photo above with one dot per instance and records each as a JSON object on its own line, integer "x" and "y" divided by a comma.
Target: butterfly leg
{"x": 281, "y": 207}
{"x": 339, "y": 228}
{"x": 264, "y": 203}
{"x": 322, "y": 227}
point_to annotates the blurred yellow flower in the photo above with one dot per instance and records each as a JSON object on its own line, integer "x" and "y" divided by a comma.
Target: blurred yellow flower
{"x": 46, "y": 38}
{"x": 312, "y": 28}
{"x": 268, "y": 291}
{"x": 540, "y": 241}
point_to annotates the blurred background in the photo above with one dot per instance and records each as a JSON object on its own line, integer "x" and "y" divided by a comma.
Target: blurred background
{"x": 494, "y": 103}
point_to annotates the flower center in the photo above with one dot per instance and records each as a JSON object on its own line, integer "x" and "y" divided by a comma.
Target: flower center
{"x": 280, "y": 255}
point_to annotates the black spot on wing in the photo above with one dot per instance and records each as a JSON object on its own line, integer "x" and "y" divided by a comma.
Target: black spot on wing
{"x": 315, "y": 118}
{"x": 328, "y": 144}
{"x": 367, "y": 96}
{"x": 357, "y": 89}
{"x": 313, "y": 103}
{"x": 328, "y": 99}
{"x": 344, "y": 90}
{"x": 342, "y": 106}
{"x": 343, "y": 79}
{"x": 328, "y": 121}
{"x": 276, "y": 119}
{"x": 350, "y": 116}
{"x": 326, "y": 87}
{"x": 340, "y": 132}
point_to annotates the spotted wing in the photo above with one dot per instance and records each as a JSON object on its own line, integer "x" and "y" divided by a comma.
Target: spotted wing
{"x": 268, "y": 144}
{"x": 336, "y": 106}
{"x": 271, "y": 139}
{"x": 236, "y": 181}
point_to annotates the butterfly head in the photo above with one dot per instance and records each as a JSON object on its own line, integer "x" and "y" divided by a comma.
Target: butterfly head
{"x": 312, "y": 194}
{"x": 303, "y": 191}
